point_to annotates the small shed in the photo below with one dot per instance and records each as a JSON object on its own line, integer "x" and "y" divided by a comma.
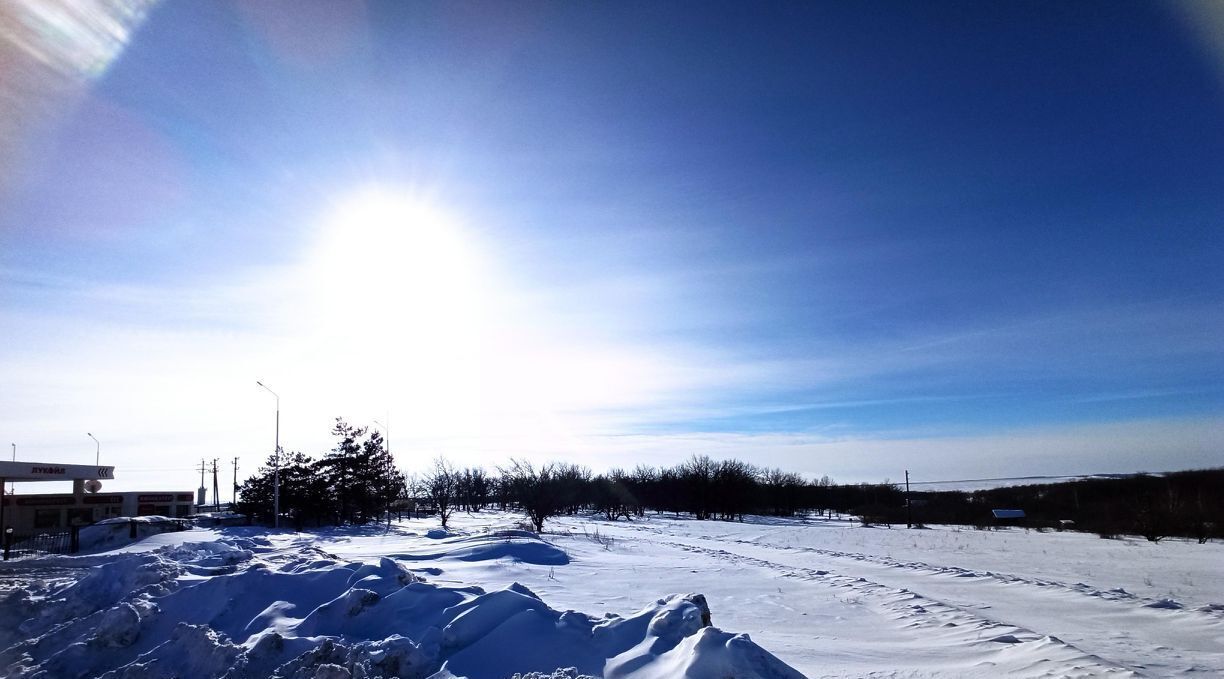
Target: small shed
{"x": 1008, "y": 517}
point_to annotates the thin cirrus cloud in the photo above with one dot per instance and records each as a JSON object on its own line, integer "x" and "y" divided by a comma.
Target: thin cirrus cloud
{"x": 1072, "y": 449}
{"x": 542, "y": 387}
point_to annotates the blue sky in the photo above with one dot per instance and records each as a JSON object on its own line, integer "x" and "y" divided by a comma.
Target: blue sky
{"x": 970, "y": 239}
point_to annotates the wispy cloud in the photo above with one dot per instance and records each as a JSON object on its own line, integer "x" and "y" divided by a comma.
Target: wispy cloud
{"x": 178, "y": 364}
{"x": 1139, "y": 445}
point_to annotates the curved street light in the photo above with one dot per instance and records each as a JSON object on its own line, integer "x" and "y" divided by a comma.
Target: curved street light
{"x": 390, "y": 457}
{"x": 386, "y": 432}
{"x": 276, "y": 463}
{"x": 97, "y": 452}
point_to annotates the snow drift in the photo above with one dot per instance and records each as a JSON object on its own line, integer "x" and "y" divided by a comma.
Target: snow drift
{"x": 236, "y": 608}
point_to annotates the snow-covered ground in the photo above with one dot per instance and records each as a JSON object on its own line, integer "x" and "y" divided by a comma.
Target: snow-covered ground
{"x": 827, "y": 598}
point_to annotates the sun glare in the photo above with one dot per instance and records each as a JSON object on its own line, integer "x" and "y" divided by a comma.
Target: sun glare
{"x": 396, "y": 300}
{"x": 405, "y": 314}
{"x": 397, "y": 250}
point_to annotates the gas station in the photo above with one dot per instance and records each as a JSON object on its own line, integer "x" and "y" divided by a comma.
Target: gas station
{"x": 26, "y": 514}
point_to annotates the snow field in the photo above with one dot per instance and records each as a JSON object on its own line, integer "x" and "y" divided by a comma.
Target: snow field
{"x": 834, "y": 599}
{"x": 827, "y": 598}
{"x": 952, "y": 602}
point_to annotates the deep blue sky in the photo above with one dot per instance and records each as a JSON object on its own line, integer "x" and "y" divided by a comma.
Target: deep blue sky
{"x": 836, "y": 223}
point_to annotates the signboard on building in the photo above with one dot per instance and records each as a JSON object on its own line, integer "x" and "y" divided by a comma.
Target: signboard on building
{"x": 42, "y": 501}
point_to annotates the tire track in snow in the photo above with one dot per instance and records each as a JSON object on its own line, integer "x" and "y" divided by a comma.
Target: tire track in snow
{"x": 1212, "y": 611}
{"x": 1198, "y": 650}
{"x": 914, "y": 610}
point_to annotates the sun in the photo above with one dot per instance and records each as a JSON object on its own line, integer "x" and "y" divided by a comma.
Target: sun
{"x": 395, "y": 248}
{"x": 395, "y": 293}
{"x": 399, "y": 257}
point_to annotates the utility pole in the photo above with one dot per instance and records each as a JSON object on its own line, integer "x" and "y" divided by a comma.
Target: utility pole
{"x": 235, "y": 502}
{"x": 216, "y": 490}
{"x": 909, "y": 516}
{"x": 201, "y": 495}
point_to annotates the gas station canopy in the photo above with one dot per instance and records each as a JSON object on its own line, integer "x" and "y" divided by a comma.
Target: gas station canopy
{"x": 48, "y": 471}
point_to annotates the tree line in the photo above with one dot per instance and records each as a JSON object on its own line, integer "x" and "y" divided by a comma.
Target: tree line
{"x": 357, "y": 482}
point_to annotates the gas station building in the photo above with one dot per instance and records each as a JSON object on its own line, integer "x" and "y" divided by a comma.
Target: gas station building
{"x": 29, "y": 513}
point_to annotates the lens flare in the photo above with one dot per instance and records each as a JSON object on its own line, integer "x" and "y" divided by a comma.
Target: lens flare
{"x": 74, "y": 38}
{"x": 50, "y": 51}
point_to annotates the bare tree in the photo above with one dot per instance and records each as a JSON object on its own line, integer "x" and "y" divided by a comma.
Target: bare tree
{"x": 441, "y": 486}
{"x": 611, "y": 496}
{"x": 538, "y": 492}
{"x": 696, "y": 477}
{"x": 474, "y": 486}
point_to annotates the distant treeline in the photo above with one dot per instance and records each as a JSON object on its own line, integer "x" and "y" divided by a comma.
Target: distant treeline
{"x": 356, "y": 482}
{"x": 701, "y": 487}
{"x": 1187, "y": 504}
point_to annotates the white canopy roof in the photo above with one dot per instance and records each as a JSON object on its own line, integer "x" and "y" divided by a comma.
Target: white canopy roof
{"x": 52, "y": 471}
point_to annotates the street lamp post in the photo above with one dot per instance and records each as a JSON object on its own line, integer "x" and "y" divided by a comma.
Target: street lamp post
{"x": 386, "y": 432}
{"x": 390, "y": 459}
{"x": 276, "y": 463}
{"x": 97, "y": 451}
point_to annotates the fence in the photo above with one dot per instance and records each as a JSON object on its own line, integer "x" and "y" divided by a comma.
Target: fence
{"x": 47, "y": 542}
{"x": 69, "y": 541}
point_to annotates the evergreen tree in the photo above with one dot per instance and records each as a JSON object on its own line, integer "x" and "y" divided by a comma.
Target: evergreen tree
{"x": 356, "y": 482}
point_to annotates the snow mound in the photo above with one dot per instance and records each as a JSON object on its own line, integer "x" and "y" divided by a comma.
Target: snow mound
{"x": 118, "y": 531}
{"x": 562, "y": 673}
{"x": 216, "y": 610}
{"x": 1167, "y": 604}
{"x": 514, "y": 545}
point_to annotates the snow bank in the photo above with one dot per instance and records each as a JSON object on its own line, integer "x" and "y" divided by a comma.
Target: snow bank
{"x": 234, "y": 608}
{"x": 110, "y": 533}
{"x": 512, "y": 544}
